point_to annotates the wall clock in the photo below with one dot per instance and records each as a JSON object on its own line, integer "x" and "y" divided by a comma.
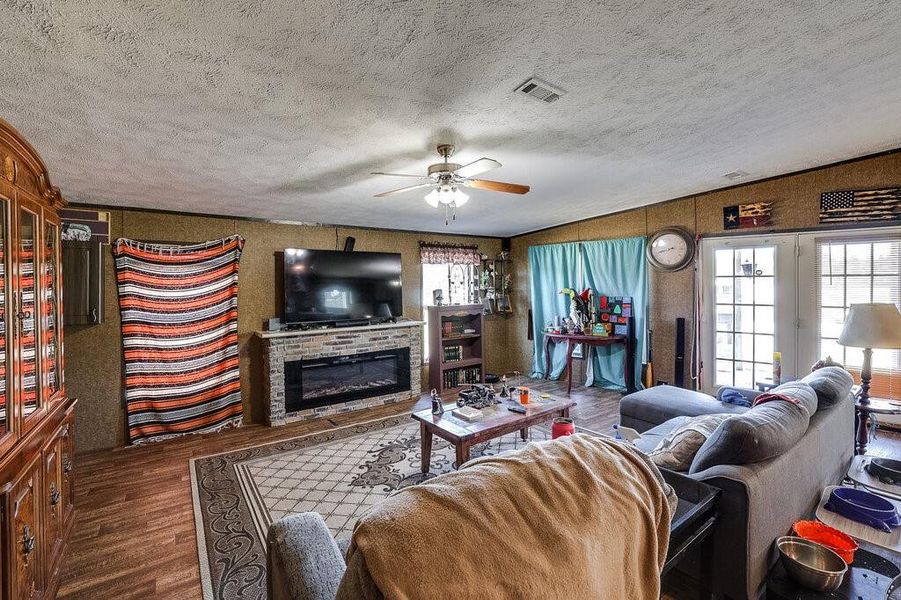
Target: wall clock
{"x": 671, "y": 249}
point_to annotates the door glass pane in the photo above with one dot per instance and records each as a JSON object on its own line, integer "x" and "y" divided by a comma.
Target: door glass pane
{"x": 50, "y": 308}
{"x": 745, "y": 315}
{"x": 3, "y": 300}
{"x": 27, "y": 311}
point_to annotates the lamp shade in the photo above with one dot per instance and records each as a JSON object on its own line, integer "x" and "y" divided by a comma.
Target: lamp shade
{"x": 872, "y": 326}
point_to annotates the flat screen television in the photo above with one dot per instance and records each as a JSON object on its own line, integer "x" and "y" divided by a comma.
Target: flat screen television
{"x": 328, "y": 286}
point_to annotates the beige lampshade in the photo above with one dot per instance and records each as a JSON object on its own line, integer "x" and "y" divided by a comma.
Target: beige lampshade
{"x": 872, "y": 326}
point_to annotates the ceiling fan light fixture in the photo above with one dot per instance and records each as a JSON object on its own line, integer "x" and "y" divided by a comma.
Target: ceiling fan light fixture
{"x": 446, "y": 196}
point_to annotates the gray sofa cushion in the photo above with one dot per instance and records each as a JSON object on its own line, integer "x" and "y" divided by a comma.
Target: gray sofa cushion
{"x": 652, "y": 406}
{"x": 677, "y": 449}
{"x": 800, "y": 391}
{"x": 831, "y": 384}
{"x": 763, "y": 432}
{"x": 652, "y": 437}
{"x": 304, "y": 561}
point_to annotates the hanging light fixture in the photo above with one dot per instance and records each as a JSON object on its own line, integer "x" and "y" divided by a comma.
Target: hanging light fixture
{"x": 447, "y": 195}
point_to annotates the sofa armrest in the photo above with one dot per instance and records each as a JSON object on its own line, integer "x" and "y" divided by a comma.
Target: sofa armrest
{"x": 303, "y": 559}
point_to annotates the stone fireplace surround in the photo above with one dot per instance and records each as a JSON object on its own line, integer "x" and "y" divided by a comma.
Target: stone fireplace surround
{"x": 283, "y": 346}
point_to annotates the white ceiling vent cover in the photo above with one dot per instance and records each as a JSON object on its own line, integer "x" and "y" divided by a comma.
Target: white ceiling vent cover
{"x": 540, "y": 90}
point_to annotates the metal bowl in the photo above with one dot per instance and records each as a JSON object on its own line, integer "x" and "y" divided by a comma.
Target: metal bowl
{"x": 810, "y": 564}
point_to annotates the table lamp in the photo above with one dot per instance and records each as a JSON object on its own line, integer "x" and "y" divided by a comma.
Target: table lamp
{"x": 871, "y": 326}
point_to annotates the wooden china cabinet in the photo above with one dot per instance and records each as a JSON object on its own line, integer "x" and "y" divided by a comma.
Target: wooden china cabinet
{"x": 36, "y": 417}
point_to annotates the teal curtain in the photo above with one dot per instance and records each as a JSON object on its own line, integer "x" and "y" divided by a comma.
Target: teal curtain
{"x": 617, "y": 268}
{"x": 551, "y": 268}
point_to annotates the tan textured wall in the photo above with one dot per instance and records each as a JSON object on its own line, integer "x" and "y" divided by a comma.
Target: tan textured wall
{"x": 93, "y": 354}
{"x": 797, "y": 201}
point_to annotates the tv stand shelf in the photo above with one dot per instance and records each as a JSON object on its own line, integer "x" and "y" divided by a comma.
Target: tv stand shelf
{"x": 456, "y": 358}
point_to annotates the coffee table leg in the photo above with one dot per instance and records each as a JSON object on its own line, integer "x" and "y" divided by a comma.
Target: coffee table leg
{"x": 462, "y": 454}
{"x": 524, "y": 433}
{"x": 426, "y": 437}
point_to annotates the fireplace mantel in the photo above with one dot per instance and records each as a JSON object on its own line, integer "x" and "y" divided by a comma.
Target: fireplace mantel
{"x": 288, "y": 333}
{"x": 281, "y": 347}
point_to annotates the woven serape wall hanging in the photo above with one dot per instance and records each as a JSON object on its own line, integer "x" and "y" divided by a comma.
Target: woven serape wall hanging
{"x": 179, "y": 308}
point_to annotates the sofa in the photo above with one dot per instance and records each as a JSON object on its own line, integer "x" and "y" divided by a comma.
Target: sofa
{"x": 759, "y": 501}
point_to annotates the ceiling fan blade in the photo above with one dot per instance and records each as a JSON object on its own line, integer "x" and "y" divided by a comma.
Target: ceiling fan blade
{"x": 404, "y": 189}
{"x": 497, "y": 186}
{"x": 476, "y": 167}
{"x": 400, "y": 175}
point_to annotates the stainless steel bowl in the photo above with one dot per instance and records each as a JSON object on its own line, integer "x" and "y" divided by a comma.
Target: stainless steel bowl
{"x": 810, "y": 564}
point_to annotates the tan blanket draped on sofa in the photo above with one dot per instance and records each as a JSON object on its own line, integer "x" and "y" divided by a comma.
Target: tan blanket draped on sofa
{"x": 579, "y": 517}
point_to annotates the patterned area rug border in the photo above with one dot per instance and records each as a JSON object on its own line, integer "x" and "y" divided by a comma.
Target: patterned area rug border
{"x": 233, "y": 558}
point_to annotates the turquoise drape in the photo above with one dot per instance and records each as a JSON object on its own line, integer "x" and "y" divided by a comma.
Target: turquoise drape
{"x": 551, "y": 268}
{"x": 617, "y": 268}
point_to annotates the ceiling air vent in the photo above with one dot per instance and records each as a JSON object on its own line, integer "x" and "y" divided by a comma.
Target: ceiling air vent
{"x": 735, "y": 175}
{"x": 540, "y": 90}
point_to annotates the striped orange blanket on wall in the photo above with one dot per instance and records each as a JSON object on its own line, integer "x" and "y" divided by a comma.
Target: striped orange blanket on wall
{"x": 179, "y": 307}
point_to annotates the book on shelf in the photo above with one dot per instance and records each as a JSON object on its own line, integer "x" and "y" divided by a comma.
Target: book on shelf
{"x": 461, "y": 377}
{"x": 453, "y": 353}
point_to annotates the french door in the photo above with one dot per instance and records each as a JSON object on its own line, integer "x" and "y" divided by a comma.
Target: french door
{"x": 749, "y": 309}
{"x": 790, "y": 294}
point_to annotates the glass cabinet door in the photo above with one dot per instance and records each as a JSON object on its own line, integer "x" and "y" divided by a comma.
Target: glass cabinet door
{"x": 50, "y": 310}
{"x": 27, "y": 322}
{"x": 5, "y": 405}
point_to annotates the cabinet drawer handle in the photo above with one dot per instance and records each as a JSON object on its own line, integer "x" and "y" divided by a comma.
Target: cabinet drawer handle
{"x": 27, "y": 540}
{"x": 93, "y": 315}
{"x": 67, "y": 466}
{"x": 54, "y": 495}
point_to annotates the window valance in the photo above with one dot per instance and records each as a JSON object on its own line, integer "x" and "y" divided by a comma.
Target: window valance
{"x": 435, "y": 253}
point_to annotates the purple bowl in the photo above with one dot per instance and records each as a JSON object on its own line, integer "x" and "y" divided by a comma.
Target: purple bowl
{"x": 863, "y": 506}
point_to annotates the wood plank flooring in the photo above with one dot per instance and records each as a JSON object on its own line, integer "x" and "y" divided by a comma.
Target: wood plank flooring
{"x": 134, "y": 534}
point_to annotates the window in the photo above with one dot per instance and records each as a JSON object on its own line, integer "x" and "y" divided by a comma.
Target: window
{"x": 852, "y": 270}
{"x": 457, "y": 284}
{"x": 745, "y": 315}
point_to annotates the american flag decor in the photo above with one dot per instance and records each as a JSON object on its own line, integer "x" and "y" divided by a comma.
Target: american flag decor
{"x": 870, "y": 205}
{"x": 179, "y": 309}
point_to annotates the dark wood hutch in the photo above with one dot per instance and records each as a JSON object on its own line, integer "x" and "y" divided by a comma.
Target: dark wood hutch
{"x": 36, "y": 418}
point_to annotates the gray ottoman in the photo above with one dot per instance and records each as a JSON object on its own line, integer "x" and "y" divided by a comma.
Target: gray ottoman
{"x": 651, "y": 407}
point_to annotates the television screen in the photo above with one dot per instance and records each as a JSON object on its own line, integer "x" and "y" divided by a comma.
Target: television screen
{"x": 323, "y": 286}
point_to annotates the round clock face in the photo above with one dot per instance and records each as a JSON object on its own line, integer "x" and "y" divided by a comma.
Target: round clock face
{"x": 671, "y": 249}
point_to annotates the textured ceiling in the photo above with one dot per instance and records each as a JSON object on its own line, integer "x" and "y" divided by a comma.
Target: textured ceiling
{"x": 279, "y": 109}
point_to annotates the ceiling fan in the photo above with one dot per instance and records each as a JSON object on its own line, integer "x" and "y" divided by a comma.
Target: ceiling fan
{"x": 446, "y": 179}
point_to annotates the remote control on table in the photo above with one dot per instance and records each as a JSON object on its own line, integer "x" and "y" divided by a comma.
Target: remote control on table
{"x": 517, "y": 409}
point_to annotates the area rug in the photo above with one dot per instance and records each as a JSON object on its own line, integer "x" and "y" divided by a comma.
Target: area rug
{"x": 338, "y": 473}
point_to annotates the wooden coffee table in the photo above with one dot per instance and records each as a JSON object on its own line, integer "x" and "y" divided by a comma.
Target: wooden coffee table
{"x": 494, "y": 423}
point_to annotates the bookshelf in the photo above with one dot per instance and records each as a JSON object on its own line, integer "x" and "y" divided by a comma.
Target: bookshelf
{"x": 456, "y": 347}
